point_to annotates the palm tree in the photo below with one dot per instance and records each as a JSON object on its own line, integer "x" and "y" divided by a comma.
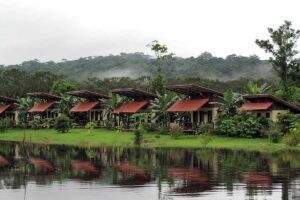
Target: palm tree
{"x": 231, "y": 103}
{"x": 114, "y": 102}
{"x": 24, "y": 105}
{"x": 253, "y": 88}
{"x": 160, "y": 105}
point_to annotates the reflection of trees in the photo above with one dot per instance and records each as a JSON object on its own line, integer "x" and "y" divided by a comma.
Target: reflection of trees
{"x": 191, "y": 171}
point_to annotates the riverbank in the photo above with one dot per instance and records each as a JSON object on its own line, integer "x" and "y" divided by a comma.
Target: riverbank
{"x": 104, "y": 137}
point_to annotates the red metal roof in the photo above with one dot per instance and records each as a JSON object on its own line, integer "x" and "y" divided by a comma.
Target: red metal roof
{"x": 131, "y": 107}
{"x": 42, "y": 107}
{"x": 84, "y": 107}
{"x": 3, "y": 108}
{"x": 187, "y": 105}
{"x": 256, "y": 106}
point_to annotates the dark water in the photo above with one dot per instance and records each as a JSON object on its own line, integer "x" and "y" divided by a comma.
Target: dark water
{"x": 44, "y": 172}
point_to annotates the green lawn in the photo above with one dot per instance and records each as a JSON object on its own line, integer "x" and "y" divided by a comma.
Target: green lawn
{"x": 104, "y": 137}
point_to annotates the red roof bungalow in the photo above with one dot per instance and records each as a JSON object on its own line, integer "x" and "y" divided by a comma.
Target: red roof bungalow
{"x": 8, "y": 108}
{"x": 267, "y": 105}
{"x": 139, "y": 100}
{"x": 202, "y": 104}
{"x": 92, "y": 109}
{"x": 49, "y": 107}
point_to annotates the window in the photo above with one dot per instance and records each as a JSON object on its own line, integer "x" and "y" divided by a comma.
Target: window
{"x": 201, "y": 116}
{"x": 268, "y": 115}
{"x": 258, "y": 114}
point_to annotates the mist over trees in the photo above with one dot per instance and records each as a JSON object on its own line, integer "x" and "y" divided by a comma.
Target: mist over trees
{"x": 135, "y": 65}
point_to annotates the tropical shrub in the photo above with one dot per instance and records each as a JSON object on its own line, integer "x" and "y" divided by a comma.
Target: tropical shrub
{"x": 274, "y": 134}
{"x": 227, "y": 127}
{"x": 293, "y": 137}
{"x": 138, "y": 135}
{"x": 5, "y": 124}
{"x": 90, "y": 126}
{"x": 243, "y": 124}
{"x": 203, "y": 129}
{"x": 176, "y": 132}
{"x": 35, "y": 123}
{"x": 62, "y": 124}
{"x": 285, "y": 121}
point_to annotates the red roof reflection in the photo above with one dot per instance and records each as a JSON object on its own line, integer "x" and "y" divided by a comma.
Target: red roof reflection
{"x": 42, "y": 163}
{"x": 130, "y": 169}
{"x": 4, "y": 161}
{"x": 193, "y": 175}
{"x": 85, "y": 166}
{"x": 257, "y": 179}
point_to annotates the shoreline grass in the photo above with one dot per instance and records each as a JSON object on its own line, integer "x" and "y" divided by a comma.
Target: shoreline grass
{"x": 105, "y": 137}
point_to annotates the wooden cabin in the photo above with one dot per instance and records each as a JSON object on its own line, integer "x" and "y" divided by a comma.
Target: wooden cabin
{"x": 92, "y": 109}
{"x": 138, "y": 101}
{"x": 202, "y": 105}
{"x": 9, "y": 108}
{"x": 49, "y": 108}
{"x": 267, "y": 105}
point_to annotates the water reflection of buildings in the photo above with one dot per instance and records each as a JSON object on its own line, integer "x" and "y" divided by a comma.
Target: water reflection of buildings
{"x": 132, "y": 174}
{"x": 193, "y": 180}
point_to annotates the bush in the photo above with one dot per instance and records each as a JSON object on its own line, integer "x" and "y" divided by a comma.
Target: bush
{"x": 227, "y": 127}
{"x": 243, "y": 124}
{"x": 274, "y": 134}
{"x": 90, "y": 126}
{"x": 35, "y": 124}
{"x": 138, "y": 135}
{"x": 291, "y": 139}
{"x": 176, "y": 132}
{"x": 203, "y": 129}
{"x": 285, "y": 121}
{"x": 62, "y": 124}
{"x": 249, "y": 128}
{"x": 5, "y": 124}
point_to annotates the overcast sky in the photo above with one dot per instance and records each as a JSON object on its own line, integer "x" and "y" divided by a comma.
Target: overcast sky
{"x": 57, "y": 29}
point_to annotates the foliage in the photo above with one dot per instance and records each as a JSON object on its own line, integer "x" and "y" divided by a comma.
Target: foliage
{"x": 162, "y": 55}
{"x": 243, "y": 124}
{"x": 253, "y": 88}
{"x": 176, "y": 132}
{"x": 203, "y": 129}
{"x": 62, "y": 123}
{"x": 114, "y": 102}
{"x": 90, "y": 126}
{"x": 160, "y": 105}
{"x": 35, "y": 123}
{"x": 5, "y": 124}
{"x": 24, "y": 105}
{"x": 231, "y": 104}
{"x": 282, "y": 48}
{"x": 274, "y": 133}
{"x": 285, "y": 121}
{"x": 291, "y": 139}
{"x": 205, "y": 139}
{"x": 138, "y": 135}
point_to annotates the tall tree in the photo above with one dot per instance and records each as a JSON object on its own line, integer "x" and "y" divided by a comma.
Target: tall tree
{"x": 282, "y": 48}
{"x": 161, "y": 54}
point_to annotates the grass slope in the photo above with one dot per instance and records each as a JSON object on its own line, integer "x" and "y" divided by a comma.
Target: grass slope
{"x": 104, "y": 137}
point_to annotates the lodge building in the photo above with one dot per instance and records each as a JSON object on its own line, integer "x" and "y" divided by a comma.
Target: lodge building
{"x": 201, "y": 103}
{"x": 138, "y": 101}
{"x": 267, "y": 105}
{"x": 48, "y": 108}
{"x": 9, "y": 108}
{"x": 92, "y": 109}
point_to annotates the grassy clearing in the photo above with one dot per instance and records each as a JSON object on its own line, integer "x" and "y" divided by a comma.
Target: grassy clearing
{"x": 104, "y": 137}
